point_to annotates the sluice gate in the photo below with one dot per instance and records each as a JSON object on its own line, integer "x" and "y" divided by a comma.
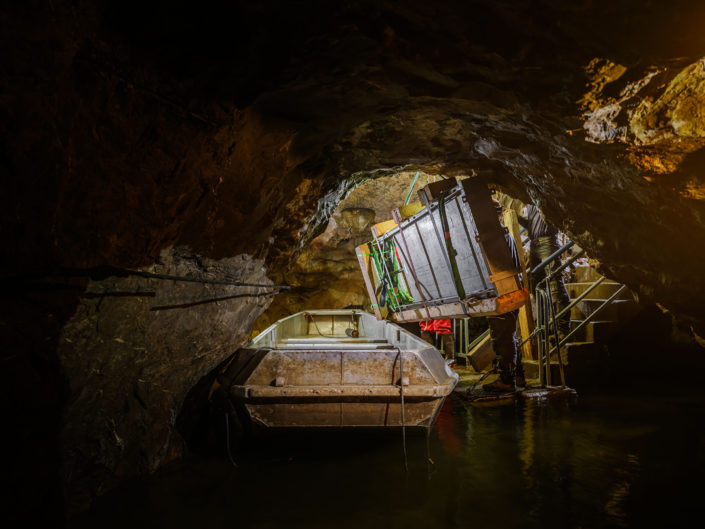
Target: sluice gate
{"x": 446, "y": 256}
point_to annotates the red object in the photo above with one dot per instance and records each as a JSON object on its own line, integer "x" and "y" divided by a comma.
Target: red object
{"x": 437, "y": 326}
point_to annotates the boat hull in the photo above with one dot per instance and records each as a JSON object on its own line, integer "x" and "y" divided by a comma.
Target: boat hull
{"x": 309, "y": 381}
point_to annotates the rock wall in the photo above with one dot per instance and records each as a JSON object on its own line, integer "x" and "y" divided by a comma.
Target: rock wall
{"x": 134, "y": 348}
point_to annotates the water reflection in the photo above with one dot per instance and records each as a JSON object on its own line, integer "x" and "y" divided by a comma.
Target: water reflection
{"x": 598, "y": 462}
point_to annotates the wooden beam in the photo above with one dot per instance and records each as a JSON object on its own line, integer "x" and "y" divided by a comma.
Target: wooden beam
{"x": 381, "y": 228}
{"x": 526, "y": 317}
{"x": 364, "y": 259}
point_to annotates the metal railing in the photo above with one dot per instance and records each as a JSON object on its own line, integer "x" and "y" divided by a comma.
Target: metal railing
{"x": 546, "y": 332}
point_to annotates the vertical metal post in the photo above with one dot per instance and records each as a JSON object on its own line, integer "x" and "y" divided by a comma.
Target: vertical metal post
{"x": 466, "y": 322}
{"x": 546, "y": 344}
{"x": 472, "y": 247}
{"x": 539, "y": 338}
{"x": 397, "y": 218}
{"x": 551, "y": 310}
{"x": 441, "y": 242}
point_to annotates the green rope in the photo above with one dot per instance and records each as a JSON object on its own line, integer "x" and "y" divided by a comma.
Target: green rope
{"x": 402, "y": 287}
{"x": 381, "y": 273}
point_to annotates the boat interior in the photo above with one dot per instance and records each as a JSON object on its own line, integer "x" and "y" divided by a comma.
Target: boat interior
{"x": 335, "y": 330}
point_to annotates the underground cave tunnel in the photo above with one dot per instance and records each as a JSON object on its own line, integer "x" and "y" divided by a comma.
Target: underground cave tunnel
{"x": 178, "y": 177}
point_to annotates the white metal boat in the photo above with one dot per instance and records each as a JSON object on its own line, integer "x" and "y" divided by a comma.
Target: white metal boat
{"x": 336, "y": 368}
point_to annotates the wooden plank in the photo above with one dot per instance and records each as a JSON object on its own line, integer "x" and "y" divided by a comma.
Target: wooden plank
{"x": 526, "y": 317}
{"x": 482, "y": 354}
{"x": 381, "y": 228}
{"x": 364, "y": 259}
{"x": 410, "y": 209}
{"x": 433, "y": 190}
{"x": 503, "y": 272}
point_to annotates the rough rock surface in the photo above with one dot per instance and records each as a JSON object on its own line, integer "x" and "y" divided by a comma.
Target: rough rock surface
{"x": 134, "y": 348}
{"x": 326, "y": 273}
{"x": 131, "y": 128}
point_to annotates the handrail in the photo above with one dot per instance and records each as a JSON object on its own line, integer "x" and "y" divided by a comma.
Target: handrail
{"x": 573, "y": 258}
{"x": 588, "y": 319}
{"x": 547, "y": 319}
{"x": 581, "y": 296}
{"x": 572, "y": 303}
{"x": 551, "y": 257}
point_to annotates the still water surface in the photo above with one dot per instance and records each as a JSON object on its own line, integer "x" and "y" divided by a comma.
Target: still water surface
{"x": 608, "y": 460}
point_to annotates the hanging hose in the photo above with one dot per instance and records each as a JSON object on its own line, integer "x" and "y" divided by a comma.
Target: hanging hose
{"x": 227, "y": 439}
{"x": 403, "y": 418}
{"x": 430, "y": 464}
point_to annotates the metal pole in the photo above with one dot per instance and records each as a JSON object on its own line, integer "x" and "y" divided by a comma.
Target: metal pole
{"x": 470, "y": 244}
{"x": 403, "y": 418}
{"x": 466, "y": 324}
{"x": 397, "y": 218}
{"x": 581, "y": 297}
{"x": 572, "y": 304}
{"x": 540, "y": 329}
{"x": 554, "y": 321}
{"x": 551, "y": 257}
{"x": 441, "y": 242}
{"x": 591, "y": 317}
{"x": 565, "y": 265}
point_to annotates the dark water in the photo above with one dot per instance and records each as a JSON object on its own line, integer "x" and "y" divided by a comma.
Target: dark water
{"x": 606, "y": 460}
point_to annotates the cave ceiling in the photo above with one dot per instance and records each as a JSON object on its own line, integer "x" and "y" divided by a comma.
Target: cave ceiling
{"x": 236, "y": 129}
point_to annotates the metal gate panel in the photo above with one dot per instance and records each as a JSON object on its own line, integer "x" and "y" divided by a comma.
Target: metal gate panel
{"x": 426, "y": 266}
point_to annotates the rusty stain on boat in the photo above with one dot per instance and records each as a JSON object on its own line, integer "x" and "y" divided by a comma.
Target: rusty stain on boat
{"x": 336, "y": 368}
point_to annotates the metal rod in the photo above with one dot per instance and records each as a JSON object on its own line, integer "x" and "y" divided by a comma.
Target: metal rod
{"x": 591, "y": 317}
{"x": 478, "y": 339}
{"x": 403, "y": 418}
{"x": 428, "y": 259}
{"x": 407, "y": 260}
{"x": 565, "y": 265}
{"x": 470, "y": 244}
{"x": 549, "y": 297}
{"x": 544, "y": 336}
{"x": 466, "y": 326}
{"x": 445, "y": 226}
{"x": 398, "y": 220}
{"x": 551, "y": 257}
{"x": 581, "y": 297}
{"x": 539, "y": 341}
{"x": 109, "y": 271}
{"x": 550, "y": 275}
{"x": 440, "y": 240}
